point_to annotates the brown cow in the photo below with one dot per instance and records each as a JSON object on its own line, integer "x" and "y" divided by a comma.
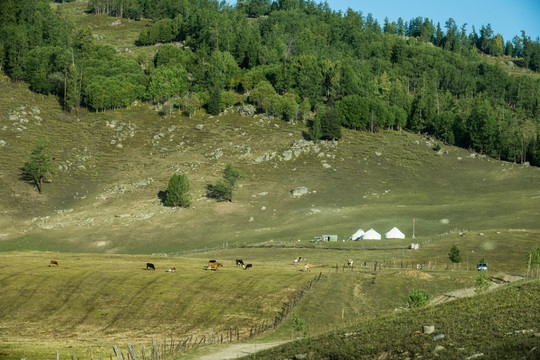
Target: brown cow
{"x": 214, "y": 265}
{"x": 307, "y": 267}
{"x": 171, "y": 269}
{"x": 53, "y": 263}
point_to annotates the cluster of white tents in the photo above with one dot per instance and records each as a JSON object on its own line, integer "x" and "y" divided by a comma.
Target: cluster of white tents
{"x": 371, "y": 234}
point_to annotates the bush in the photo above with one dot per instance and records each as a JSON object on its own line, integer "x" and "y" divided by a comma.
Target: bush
{"x": 482, "y": 282}
{"x": 221, "y": 191}
{"x": 299, "y": 324}
{"x": 178, "y": 191}
{"x": 418, "y": 298}
{"x": 454, "y": 254}
{"x": 231, "y": 175}
{"x": 230, "y": 98}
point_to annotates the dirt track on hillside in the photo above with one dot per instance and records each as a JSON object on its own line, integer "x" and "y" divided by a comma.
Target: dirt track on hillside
{"x": 239, "y": 350}
{"x": 496, "y": 281}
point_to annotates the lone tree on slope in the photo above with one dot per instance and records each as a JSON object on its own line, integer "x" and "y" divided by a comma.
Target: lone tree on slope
{"x": 178, "y": 191}
{"x": 223, "y": 189}
{"x": 39, "y": 165}
{"x": 454, "y": 254}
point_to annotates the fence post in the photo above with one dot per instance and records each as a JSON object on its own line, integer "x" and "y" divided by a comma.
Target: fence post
{"x": 115, "y": 349}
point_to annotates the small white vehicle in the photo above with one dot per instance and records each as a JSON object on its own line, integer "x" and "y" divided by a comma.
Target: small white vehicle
{"x": 482, "y": 267}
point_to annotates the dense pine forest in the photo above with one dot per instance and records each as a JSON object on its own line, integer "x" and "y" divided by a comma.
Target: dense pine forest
{"x": 293, "y": 59}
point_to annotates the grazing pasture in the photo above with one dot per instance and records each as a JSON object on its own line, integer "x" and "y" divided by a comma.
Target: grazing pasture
{"x": 107, "y": 299}
{"x": 100, "y": 300}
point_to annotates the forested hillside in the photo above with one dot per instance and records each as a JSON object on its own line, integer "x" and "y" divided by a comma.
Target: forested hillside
{"x": 292, "y": 59}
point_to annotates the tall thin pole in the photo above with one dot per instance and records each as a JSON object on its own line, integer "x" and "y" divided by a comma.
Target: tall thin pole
{"x": 413, "y": 221}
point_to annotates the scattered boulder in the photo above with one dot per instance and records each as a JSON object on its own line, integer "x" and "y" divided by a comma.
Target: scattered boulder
{"x": 428, "y": 329}
{"x": 439, "y": 348}
{"x": 299, "y": 191}
{"x": 247, "y": 110}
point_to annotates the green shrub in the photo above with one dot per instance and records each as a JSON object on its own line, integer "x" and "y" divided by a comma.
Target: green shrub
{"x": 221, "y": 191}
{"x": 230, "y": 98}
{"x": 454, "y": 254}
{"x": 482, "y": 282}
{"x": 418, "y": 298}
{"x": 299, "y": 324}
{"x": 231, "y": 174}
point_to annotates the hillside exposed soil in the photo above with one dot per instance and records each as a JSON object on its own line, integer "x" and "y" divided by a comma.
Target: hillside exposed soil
{"x": 496, "y": 281}
{"x": 240, "y": 350}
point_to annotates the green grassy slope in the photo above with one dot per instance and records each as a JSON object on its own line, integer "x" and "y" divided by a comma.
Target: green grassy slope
{"x": 502, "y": 324}
{"x": 110, "y": 168}
{"x": 103, "y": 196}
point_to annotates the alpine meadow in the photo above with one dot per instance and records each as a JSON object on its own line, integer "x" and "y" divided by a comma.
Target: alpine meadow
{"x": 191, "y": 179}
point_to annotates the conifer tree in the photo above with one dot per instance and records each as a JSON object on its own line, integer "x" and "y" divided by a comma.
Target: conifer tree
{"x": 39, "y": 165}
{"x": 178, "y": 191}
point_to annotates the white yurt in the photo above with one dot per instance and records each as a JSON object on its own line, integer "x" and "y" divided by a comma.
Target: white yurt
{"x": 395, "y": 233}
{"x": 357, "y": 235}
{"x": 371, "y": 235}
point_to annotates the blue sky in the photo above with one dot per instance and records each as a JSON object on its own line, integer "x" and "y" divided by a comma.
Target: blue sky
{"x": 507, "y": 17}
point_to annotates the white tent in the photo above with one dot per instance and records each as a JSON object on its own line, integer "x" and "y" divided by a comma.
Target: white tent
{"x": 371, "y": 235}
{"x": 395, "y": 233}
{"x": 357, "y": 235}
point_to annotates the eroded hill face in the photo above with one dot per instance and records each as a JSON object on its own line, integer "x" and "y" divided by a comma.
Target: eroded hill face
{"x": 109, "y": 169}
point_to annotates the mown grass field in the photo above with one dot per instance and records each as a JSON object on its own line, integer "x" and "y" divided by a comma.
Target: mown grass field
{"x": 101, "y": 217}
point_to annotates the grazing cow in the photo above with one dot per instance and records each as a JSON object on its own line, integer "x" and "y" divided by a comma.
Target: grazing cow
{"x": 307, "y": 267}
{"x": 171, "y": 269}
{"x": 150, "y": 266}
{"x": 239, "y": 263}
{"x": 350, "y": 262}
{"x": 420, "y": 266}
{"x": 248, "y": 266}
{"x": 212, "y": 261}
{"x": 297, "y": 260}
{"x": 53, "y": 263}
{"x": 214, "y": 266}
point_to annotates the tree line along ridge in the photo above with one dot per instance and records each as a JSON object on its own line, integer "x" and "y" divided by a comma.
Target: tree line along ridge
{"x": 292, "y": 59}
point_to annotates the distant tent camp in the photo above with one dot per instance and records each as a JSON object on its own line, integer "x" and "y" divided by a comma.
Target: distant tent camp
{"x": 357, "y": 235}
{"x": 371, "y": 235}
{"x": 395, "y": 233}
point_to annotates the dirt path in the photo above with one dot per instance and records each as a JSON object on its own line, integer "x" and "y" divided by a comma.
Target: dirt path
{"x": 496, "y": 281}
{"x": 239, "y": 350}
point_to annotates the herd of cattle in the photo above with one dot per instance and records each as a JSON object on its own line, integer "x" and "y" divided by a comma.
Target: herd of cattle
{"x": 214, "y": 265}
